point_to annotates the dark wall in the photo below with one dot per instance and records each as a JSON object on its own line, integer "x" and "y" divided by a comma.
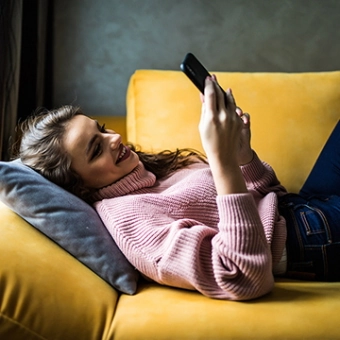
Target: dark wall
{"x": 100, "y": 43}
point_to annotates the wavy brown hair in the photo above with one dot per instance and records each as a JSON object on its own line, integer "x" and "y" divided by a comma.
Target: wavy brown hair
{"x": 40, "y": 147}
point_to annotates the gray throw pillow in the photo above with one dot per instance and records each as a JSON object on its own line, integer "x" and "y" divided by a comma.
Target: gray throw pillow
{"x": 67, "y": 220}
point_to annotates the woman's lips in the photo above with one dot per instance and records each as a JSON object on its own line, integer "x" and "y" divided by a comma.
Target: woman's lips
{"x": 124, "y": 154}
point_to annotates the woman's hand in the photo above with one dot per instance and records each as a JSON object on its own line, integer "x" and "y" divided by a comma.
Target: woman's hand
{"x": 225, "y": 138}
{"x": 246, "y": 153}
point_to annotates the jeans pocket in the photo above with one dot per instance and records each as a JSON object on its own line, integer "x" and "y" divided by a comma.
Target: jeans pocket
{"x": 315, "y": 226}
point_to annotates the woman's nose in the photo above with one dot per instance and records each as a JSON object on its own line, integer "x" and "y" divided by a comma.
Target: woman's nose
{"x": 114, "y": 140}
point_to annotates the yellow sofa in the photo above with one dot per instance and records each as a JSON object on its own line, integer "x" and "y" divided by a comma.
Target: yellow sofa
{"x": 45, "y": 293}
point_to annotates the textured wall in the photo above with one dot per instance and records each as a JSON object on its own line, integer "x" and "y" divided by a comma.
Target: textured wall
{"x": 100, "y": 43}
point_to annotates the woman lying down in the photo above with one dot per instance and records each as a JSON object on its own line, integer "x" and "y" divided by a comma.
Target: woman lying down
{"x": 220, "y": 224}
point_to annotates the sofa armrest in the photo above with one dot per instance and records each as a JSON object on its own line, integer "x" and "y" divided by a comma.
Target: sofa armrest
{"x": 44, "y": 291}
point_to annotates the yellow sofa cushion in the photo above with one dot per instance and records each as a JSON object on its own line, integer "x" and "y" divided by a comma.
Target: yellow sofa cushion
{"x": 294, "y": 310}
{"x": 292, "y": 114}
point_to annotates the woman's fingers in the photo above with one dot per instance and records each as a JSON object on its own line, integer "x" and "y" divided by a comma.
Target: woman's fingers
{"x": 219, "y": 93}
{"x": 243, "y": 115}
{"x": 210, "y": 96}
{"x": 202, "y": 97}
{"x": 246, "y": 118}
{"x": 230, "y": 100}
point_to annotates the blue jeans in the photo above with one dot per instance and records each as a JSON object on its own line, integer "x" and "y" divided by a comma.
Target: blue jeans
{"x": 313, "y": 218}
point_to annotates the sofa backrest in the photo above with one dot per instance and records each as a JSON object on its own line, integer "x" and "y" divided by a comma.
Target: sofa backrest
{"x": 291, "y": 114}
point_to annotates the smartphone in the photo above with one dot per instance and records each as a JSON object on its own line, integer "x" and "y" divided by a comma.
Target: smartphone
{"x": 196, "y": 72}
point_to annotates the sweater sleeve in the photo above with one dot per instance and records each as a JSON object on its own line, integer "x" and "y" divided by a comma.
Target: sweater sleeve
{"x": 262, "y": 182}
{"x": 231, "y": 262}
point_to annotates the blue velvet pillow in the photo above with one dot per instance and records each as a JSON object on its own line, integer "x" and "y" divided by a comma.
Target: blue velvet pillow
{"x": 67, "y": 220}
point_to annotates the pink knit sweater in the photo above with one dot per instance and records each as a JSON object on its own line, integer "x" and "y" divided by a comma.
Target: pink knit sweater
{"x": 178, "y": 232}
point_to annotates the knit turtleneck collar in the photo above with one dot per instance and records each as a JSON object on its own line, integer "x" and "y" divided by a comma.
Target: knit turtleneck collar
{"x": 139, "y": 178}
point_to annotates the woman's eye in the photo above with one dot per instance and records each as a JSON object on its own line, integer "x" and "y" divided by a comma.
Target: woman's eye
{"x": 96, "y": 151}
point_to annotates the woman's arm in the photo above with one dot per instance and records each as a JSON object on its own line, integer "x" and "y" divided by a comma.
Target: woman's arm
{"x": 261, "y": 178}
{"x": 225, "y": 134}
{"x": 232, "y": 261}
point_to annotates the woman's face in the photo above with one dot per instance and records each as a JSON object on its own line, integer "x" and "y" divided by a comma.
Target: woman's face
{"x": 98, "y": 155}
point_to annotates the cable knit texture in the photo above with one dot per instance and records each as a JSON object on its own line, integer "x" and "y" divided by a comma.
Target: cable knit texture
{"x": 178, "y": 232}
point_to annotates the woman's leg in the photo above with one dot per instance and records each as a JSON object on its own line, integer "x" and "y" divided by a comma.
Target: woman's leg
{"x": 324, "y": 178}
{"x": 313, "y": 237}
{"x": 313, "y": 229}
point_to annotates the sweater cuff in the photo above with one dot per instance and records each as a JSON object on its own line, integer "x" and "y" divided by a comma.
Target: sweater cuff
{"x": 238, "y": 210}
{"x": 253, "y": 170}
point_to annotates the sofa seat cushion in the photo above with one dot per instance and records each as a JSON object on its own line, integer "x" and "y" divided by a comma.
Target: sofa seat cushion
{"x": 294, "y": 310}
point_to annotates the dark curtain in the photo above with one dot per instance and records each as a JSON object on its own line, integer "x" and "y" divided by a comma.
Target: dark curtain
{"x": 26, "y": 41}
